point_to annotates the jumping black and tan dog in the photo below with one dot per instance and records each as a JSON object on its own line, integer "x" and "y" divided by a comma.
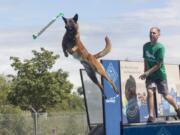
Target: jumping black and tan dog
{"x": 72, "y": 44}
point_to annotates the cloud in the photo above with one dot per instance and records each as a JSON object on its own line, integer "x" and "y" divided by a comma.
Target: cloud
{"x": 164, "y": 16}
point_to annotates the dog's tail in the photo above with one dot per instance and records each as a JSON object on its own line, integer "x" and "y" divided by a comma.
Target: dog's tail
{"x": 106, "y": 50}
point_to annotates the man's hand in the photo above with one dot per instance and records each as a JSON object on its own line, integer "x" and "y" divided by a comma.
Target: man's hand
{"x": 144, "y": 76}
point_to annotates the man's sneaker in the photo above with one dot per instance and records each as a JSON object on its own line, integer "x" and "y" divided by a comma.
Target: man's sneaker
{"x": 178, "y": 112}
{"x": 151, "y": 119}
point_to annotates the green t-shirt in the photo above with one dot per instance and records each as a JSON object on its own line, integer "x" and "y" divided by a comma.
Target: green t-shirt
{"x": 153, "y": 54}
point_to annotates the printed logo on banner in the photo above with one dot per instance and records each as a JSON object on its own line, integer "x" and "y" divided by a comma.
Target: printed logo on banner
{"x": 112, "y": 99}
{"x": 112, "y": 72}
{"x": 133, "y": 112}
{"x": 163, "y": 131}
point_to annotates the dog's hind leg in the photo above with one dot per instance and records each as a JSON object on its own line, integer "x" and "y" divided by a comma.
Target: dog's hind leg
{"x": 111, "y": 82}
{"x": 100, "y": 69}
{"x": 92, "y": 75}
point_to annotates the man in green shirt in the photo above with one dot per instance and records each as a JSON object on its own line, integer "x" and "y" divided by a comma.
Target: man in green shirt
{"x": 155, "y": 73}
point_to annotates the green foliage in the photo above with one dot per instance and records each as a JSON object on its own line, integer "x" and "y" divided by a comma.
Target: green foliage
{"x": 4, "y": 109}
{"x": 80, "y": 91}
{"x": 74, "y": 126}
{"x": 35, "y": 86}
{"x": 15, "y": 124}
{"x": 73, "y": 103}
{"x": 4, "y": 89}
{"x": 64, "y": 123}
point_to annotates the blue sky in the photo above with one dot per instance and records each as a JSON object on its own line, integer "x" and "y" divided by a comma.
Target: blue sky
{"x": 126, "y": 22}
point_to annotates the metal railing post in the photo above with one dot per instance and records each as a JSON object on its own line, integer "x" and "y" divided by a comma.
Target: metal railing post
{"x": 35, "y": 120}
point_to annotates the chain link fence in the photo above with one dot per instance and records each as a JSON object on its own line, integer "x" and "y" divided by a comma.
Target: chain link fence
{"x": 61, "y": 123}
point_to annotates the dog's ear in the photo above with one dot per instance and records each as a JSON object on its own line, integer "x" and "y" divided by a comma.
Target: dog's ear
{"x": 64, "y": 19}
{"x": 75, "y": 18}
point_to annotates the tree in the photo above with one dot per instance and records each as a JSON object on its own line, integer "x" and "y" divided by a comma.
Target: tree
{"x": 35, "y": 86}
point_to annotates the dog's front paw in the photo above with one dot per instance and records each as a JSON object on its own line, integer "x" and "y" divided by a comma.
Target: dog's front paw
{"x": 66, "y": 54}
{"x": 70, "y": 50}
